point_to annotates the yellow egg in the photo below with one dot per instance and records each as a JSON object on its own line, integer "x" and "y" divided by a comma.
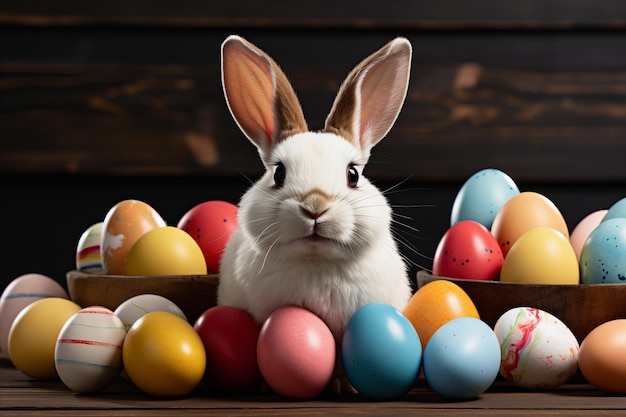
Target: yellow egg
{"x": 166, "y": 251}
{"x": 541, "y": 256}
{"x": 33, "y": 336}
{"x": 123, "y": 225}
{"x": 163, "y": 355}
{"x": 522, "y": 213}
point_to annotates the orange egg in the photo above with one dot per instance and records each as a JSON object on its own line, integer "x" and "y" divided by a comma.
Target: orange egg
{"x": 601, "y": 358}
{"x": 522, "y": 213}
{"x": 435, "y": 304}
{"x": 123, "y": 225}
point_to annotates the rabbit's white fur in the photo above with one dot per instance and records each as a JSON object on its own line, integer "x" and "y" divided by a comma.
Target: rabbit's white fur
{"x": 269, "y": 262}
{"x": 317, "y": 240}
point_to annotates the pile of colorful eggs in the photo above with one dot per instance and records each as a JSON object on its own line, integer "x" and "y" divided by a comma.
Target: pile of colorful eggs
{"x": 383, "y": 351}
{"x": 498, "y": 232}
{"x": 134, "y": 240}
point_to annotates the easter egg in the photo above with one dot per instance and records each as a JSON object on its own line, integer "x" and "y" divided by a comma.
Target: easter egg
{"x": 541, "y": 256}
{"x": 230, "y": 338}
{"x": 33, "y": 336}
{"x": 603, "y": 257}
{"x": 468, "y": 250}
{"x": 163, "y": 355}
{"x": 583, "y": 229}
{"x": 88, "y": 249}
{"x": 165, "y": 251}
{"x": 616, "y": 211}
{"x": 381, "y": 352}
{"x": 435, "y": 304}
{"x": 211, "y": 224}
{"x": 601, "y": 357}
{"x": 123, "y": 225}
{"x": 296, "y": 353}
{"x": 88, "y": 352}
{"x": 136, "y": 307}
{"x": 522, "y": 213}
{"x": 538, "y": 351}
{"x": 462, "y": 359}
{"x": 21, "y": 292}
{"x": 481, "y": 197}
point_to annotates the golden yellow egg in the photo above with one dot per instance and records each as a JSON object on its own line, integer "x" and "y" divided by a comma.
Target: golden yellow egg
{"x": 166, "y": 251}
{"x": 33, "y": 336}
{"x": 541, "y": 256}
{"x": 163, "y": 355}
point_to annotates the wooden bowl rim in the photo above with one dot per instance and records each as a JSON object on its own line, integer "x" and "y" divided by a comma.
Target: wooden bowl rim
{"x": 424, "y": 277}
{"x": 77, "y": 275}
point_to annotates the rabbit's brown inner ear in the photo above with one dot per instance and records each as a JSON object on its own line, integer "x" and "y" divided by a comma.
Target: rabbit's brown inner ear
{"x": 287, "y": 110}
{"x": 341, "y": 120}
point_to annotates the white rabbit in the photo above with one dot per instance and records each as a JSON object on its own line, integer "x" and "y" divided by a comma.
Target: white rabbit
{"x": 313, "y": 231}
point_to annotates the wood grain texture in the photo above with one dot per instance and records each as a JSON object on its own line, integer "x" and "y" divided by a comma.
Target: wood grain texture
{"x": 25, "y": 397}
{"x": 134, "y": 89}
{"x": 420, "y": 14}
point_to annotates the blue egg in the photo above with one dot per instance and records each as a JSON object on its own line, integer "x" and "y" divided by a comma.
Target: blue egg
{"x": 462, "y": 359}
{"x": 482, "y": 196}
{"x": 381, "y": 352}
{"x": 603, "y": 257}
{"x": 617, "y": 210}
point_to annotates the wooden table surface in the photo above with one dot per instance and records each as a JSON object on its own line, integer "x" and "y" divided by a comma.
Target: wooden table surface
{"x": 22, "y": 396}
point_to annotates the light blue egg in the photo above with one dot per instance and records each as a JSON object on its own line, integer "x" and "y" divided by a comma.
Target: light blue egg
{"x": 381, "y": 352}
{"x": 462, "y": 359}
{"x": 481, "y": 197}
{"x": 616, "y": 211}
{"x": 603, "y": 257}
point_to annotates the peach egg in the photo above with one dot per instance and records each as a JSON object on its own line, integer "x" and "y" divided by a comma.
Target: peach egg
{"x": 523, "y": 212}
{"x": 601, "y": 358}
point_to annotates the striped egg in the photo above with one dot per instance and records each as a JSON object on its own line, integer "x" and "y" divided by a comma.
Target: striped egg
{"x": 88, "y": 249}
{"x": 88, "y": 352}
{"x": 21, "y": 292}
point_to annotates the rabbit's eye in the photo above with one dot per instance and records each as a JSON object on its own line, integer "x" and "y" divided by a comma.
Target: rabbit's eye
{"x": 279, "y": 175}
{"x": 353, "y": 176}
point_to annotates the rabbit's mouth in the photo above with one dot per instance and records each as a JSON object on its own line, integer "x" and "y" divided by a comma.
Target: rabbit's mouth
{"x": 314, "y": 237}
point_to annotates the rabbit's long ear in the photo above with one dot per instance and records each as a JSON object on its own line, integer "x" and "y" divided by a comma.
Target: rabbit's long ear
{"x": 372, "y": 95}
{"x": 259, "y": 96}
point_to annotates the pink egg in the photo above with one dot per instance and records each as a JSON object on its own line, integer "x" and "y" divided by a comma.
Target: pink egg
{"x": 20, "y": 293}
{"x": 296, "y": 353}
{"x": 583, "y": 229}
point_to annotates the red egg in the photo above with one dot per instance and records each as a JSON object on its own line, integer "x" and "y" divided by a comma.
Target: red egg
{"x": 296, "y": 353}
{"x": 211, "y": 224}
{"x": 229, "y": 335}
{"x": 468, "y": 250}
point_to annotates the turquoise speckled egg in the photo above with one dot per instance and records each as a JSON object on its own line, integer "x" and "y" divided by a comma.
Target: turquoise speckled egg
{"x": 603, "y": 258}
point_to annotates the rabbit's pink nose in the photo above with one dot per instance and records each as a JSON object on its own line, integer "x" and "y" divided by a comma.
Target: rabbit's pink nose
{"x": 313, "y": 215}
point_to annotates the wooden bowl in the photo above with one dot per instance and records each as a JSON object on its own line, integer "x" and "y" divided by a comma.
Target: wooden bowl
{"x": 193, "y": 294}
{"x": 580, "y": 307}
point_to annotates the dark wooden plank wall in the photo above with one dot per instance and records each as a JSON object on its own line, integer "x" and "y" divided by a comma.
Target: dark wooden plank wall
{"x": 535, "y": 88}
